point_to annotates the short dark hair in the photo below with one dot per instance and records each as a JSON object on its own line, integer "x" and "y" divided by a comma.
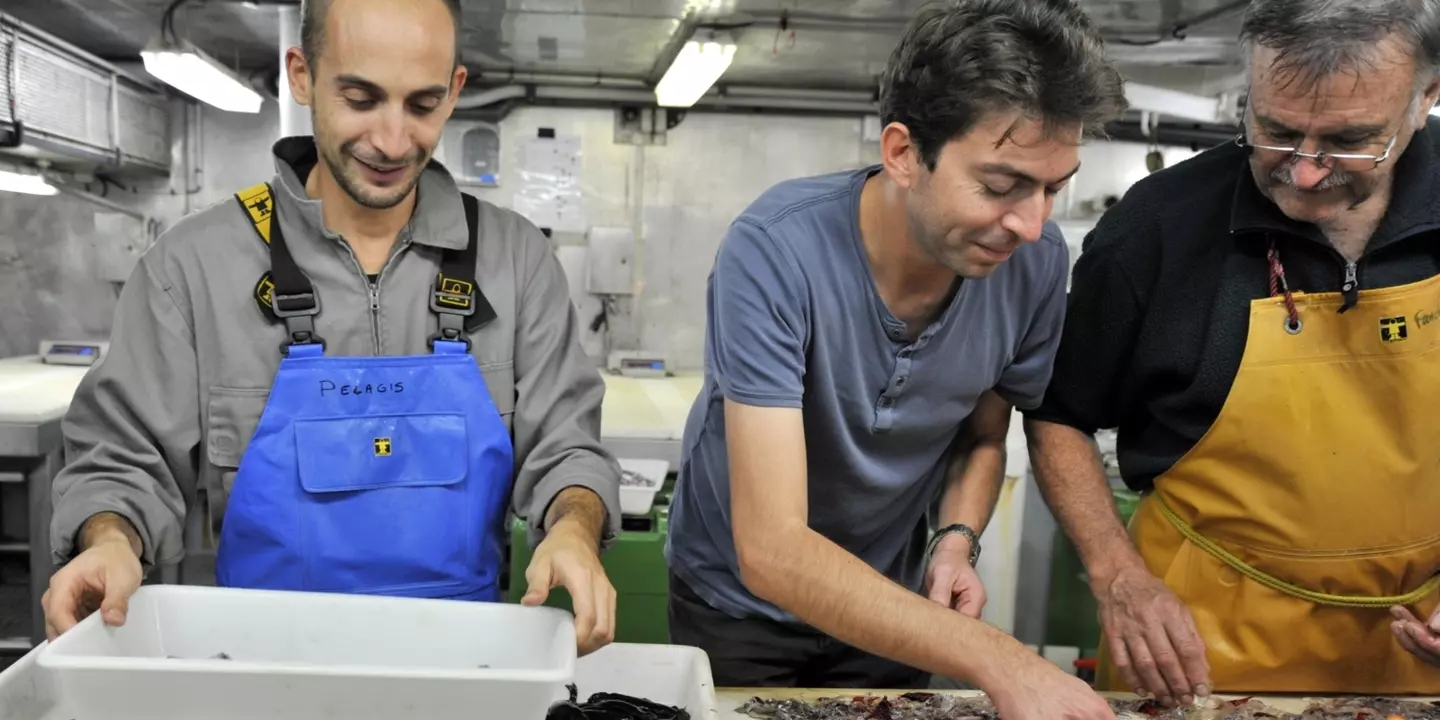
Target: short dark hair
{"x": 961, "y": 60}
{"x": 312, "y": 27}
{"x": 1316, "y": 38}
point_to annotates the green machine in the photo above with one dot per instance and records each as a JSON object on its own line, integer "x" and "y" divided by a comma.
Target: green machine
{"x": 1072, "y": 615}
{"x": 636, "y": 567}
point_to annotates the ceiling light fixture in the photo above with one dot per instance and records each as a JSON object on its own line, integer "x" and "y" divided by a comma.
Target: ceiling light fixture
{"x": 187, "y": 69}
{"x": 25, "y": 183}
{"x": 697, "y": 67}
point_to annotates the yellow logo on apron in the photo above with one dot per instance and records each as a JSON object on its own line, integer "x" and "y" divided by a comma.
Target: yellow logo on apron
{"x": 1392, "y": 329}
{"x": 382, "y": 447}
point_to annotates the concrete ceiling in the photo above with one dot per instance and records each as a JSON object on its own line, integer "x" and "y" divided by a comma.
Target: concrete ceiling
{"x": 823, "y": 44}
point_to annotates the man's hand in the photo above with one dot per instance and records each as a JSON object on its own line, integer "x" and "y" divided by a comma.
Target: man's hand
{"x": 951, "y": 581}
{"x": 569, "y": 556}
{"x": 102, "y": 577}
{"x": 1033, "y": 688}
{"x": 1152, "y": 637}
{"x": 1422, "y": 640}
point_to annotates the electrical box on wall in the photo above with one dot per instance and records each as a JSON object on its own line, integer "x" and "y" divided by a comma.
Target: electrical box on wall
{"x": 470, "y": 150}
{"x": 611, "y": 261}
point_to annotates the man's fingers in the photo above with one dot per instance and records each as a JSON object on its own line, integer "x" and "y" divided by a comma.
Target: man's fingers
{"x": 64, "y": 607}
{"x": 1190, "y": 648}
{"x": 116, "y": 603}
{"x": 1120, "y": 656}
{"x": 1423, "y": 638}
{"x": 582, "y": 599}
{"x": 942, "y": 587}
{"x": 604, "y": 631}
{"x": 538, "y": 579}
{"x": 1406, "y": 637}
{"x": 1143, "y": 661}
{"x": 972, "y": 602}
{"x": 1403, "y": 614}
{"x": 1167, "y": 664}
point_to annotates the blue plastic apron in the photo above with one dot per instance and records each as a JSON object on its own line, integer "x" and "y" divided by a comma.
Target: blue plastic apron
{"x": 377, "y": 475}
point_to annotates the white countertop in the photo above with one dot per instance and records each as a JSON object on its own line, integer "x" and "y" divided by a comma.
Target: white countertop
{"x": 648, "y": 408}
{"x": 33, "y": 393}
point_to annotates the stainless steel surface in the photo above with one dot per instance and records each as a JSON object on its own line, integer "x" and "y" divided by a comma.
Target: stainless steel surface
{"x": 829, "y": 43}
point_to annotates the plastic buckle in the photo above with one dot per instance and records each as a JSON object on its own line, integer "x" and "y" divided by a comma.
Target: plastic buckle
{"x": 301, "y": 338}
{"x": 464, "y": 303}
{"x": 449, "y": 335}
{"x": 277, "y": 301}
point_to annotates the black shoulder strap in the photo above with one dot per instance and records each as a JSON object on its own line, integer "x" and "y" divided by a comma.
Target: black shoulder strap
{"x": 461, "y": 306}
{"x": 284, "y": 292}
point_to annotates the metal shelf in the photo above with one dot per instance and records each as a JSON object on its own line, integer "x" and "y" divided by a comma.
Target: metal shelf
{"x": 15, "y": 618}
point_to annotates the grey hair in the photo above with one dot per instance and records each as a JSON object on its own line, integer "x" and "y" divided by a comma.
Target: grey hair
{"x": 1317, "y": 38}
{"x": 963, "y": 59}
{"x": 312, "y": 28}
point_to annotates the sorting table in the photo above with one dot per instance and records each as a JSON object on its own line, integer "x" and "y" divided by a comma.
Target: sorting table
{"x": 644, "y": 417}
{"x": 34, "y": 396}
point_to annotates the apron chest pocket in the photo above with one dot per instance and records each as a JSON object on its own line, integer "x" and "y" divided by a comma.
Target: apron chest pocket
{"x": 385, "y": 504}
{"x": 370, "y": 453}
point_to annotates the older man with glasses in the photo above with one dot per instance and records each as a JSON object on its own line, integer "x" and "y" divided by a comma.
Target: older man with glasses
{"x": 1262, "y": 325}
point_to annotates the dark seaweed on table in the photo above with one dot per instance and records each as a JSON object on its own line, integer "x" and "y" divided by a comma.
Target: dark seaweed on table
{"x": 932, "y": 706}
{"x": 612, "y": 706}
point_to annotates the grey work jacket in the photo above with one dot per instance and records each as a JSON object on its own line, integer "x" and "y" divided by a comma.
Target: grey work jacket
{"x": 161, "y": 423}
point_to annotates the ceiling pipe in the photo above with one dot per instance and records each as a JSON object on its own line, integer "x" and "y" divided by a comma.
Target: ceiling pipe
{"x": 535, "y": 78}
{"x": 857, "y": 96}
{"x": 485, "y": 98}
{"x": 601, "y": 95}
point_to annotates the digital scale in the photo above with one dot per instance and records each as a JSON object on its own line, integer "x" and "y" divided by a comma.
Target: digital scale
{"x": 631, "y": 363}
{"x": 66, "y": 352}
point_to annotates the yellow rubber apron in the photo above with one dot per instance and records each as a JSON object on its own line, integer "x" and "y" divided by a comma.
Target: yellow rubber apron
{"x": 1313, "y": 503}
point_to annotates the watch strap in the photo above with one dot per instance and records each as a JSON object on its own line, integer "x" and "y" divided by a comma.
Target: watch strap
{"x": 956, "y": 529}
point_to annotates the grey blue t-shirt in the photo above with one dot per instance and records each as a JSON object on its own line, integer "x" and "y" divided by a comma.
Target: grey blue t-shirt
{"x": 794, "y": 320}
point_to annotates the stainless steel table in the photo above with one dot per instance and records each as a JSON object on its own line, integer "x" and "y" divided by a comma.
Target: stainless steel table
{"x": 34, "y": 397}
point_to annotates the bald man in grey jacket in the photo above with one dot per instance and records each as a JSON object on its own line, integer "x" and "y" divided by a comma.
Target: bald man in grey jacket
{"x": 354, "y": 372}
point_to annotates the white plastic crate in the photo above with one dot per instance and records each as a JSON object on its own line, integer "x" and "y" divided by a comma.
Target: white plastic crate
{"x": 638, "y": 499}
{"x": 304, "y": 656}
{"x": 668, "y": 674}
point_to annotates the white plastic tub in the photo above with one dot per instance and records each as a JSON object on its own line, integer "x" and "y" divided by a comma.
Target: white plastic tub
{"x": 638, "y": 499}
{"x": 311, "y": 656}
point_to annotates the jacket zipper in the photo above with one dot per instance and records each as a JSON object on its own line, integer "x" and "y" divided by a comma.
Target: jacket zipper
{"x": 1350, "y": 286}
{"x": 374, "y": 287}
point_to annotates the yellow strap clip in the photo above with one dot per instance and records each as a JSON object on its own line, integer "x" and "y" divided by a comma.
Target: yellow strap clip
{"x": 259, "y": 205}
{"x": 1279, "y": 585}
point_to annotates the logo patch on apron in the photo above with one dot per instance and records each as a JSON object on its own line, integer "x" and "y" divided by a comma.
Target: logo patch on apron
{"x": 382, "y": 447}
{"x": 1393, "y": 329}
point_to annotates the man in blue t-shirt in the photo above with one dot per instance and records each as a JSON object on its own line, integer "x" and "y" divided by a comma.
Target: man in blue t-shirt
{"x": 869, "y": 333}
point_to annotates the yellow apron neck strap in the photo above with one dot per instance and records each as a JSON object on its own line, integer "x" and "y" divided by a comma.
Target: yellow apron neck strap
{"x": 259, "y": 204}
{"x": 1279, "y": 585}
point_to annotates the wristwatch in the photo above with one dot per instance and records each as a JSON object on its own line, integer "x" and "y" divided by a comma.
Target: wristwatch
{"x": 957, "y": 529}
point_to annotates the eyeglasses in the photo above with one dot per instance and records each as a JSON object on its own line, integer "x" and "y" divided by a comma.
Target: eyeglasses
{"x": 1349, "y": 161}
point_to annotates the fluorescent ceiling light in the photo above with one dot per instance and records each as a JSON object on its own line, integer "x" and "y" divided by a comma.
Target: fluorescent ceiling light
{"x": 695, "y": 69}
{"x": 194, "y": 73}
{"x": 28, "y": 184}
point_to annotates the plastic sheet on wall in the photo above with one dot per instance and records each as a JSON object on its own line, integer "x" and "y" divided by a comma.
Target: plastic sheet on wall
{"x": 549, "y": 189}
